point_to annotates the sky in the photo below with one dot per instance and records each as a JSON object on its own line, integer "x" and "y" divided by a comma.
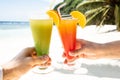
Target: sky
{"x": 23, "y": 9}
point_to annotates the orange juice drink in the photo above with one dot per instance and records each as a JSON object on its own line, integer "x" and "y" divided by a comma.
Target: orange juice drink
{"x": 41, "y": 31}
{"x": 67, "y": 31}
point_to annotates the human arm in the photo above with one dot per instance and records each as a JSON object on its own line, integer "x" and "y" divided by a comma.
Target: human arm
{"x": 92, "y": 50}
{"x": 22, "y": 63}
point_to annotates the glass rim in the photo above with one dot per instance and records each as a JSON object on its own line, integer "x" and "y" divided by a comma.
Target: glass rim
{"x": 67, "y": 18}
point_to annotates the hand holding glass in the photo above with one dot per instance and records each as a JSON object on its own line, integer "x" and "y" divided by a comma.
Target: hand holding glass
{"x": 41, "y": 32}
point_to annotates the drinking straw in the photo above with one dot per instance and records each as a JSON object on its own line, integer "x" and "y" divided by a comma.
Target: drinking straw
{"x": 58, "y": 9}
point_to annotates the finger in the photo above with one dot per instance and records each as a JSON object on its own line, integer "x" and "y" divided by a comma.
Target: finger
{"x": 89, "y": 56}
{"x": 74, "y": 58}
{"x": 71, "y": 60}
{"x": 64, "y": 55}
{"x": 86, "y": 55}
{"x": 78, "y": 45}
{"x": 28, "y": 51}
{"x": 49, "y": 61}
{"x": 65, "y": 61}
{"x": 75, "y": 52}
{"x": 41, "y": 59}
{"x": 46, "y": 64}
{"x": 45, "y": 58}
{"x": 34, "y": 55}
{"x": 80, "y": 56}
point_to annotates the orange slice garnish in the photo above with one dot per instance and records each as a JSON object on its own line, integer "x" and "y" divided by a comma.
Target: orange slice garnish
{"x": 54, "y": 15}
{"x": 80, "y": 16}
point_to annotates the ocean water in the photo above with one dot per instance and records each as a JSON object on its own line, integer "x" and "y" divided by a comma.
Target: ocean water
{"x": 13, "y": 28}
{"x": 13, "y": 24}
{"x": 14, "y": 36}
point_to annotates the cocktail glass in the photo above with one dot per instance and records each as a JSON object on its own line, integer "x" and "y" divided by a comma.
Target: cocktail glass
{"x": 41, "y": 32}
{"x": 67, "y": 31}
{"x": 67, "y": 28}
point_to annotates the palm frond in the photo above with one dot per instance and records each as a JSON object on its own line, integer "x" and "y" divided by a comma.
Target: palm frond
{"x": 88, "y": 5}
{"x": 95, "y": 14}
{"x": 89, "y": 2}
{"x": 92, "y": 11}
{"x": 104, "y": 15}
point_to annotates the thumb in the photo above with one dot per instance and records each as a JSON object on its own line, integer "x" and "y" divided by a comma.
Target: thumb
{"x": 78, "y": 45}
{"x": 78, "y": 49}
{"x": 75, "y": 52}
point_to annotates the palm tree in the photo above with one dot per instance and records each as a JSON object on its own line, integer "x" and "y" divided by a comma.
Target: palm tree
{"x": 101, "y": 12}
{"x": 98, "y": 12}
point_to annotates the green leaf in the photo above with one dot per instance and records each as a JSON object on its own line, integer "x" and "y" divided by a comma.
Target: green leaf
{"x": 117, "y": 16}
{"x": 88, "y": 5}
{"x": 104, "y": 16}
{"x": 92, "y": 11}
{"x": 95, "y": 14}
{"x": 89, "y": 2}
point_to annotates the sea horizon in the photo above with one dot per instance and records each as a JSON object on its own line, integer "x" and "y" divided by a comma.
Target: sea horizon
{"x": 6, "y": 25}
{"x": 14, "y": 22}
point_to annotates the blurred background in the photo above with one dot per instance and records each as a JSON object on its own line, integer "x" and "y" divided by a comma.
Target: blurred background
{"x": 103, "y": 25}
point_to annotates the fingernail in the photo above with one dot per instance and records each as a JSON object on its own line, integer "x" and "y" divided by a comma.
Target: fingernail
{"x": 65, "y": 62}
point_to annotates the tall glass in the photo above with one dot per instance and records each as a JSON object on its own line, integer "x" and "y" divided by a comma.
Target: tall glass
{"x": 41, "y": 32}
{"x": 67, "y": 29}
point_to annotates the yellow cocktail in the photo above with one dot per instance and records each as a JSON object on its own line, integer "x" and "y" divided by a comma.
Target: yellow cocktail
{"x": 41, "y": 31}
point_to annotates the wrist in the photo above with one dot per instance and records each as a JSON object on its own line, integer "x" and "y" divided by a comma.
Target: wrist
{"x": 112, "y": 50}
{"x": 10, "y": 72}
{"x": 7, "y": 73}
{"x": 108, "y": 51}
{"x": 101, "y": 51}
